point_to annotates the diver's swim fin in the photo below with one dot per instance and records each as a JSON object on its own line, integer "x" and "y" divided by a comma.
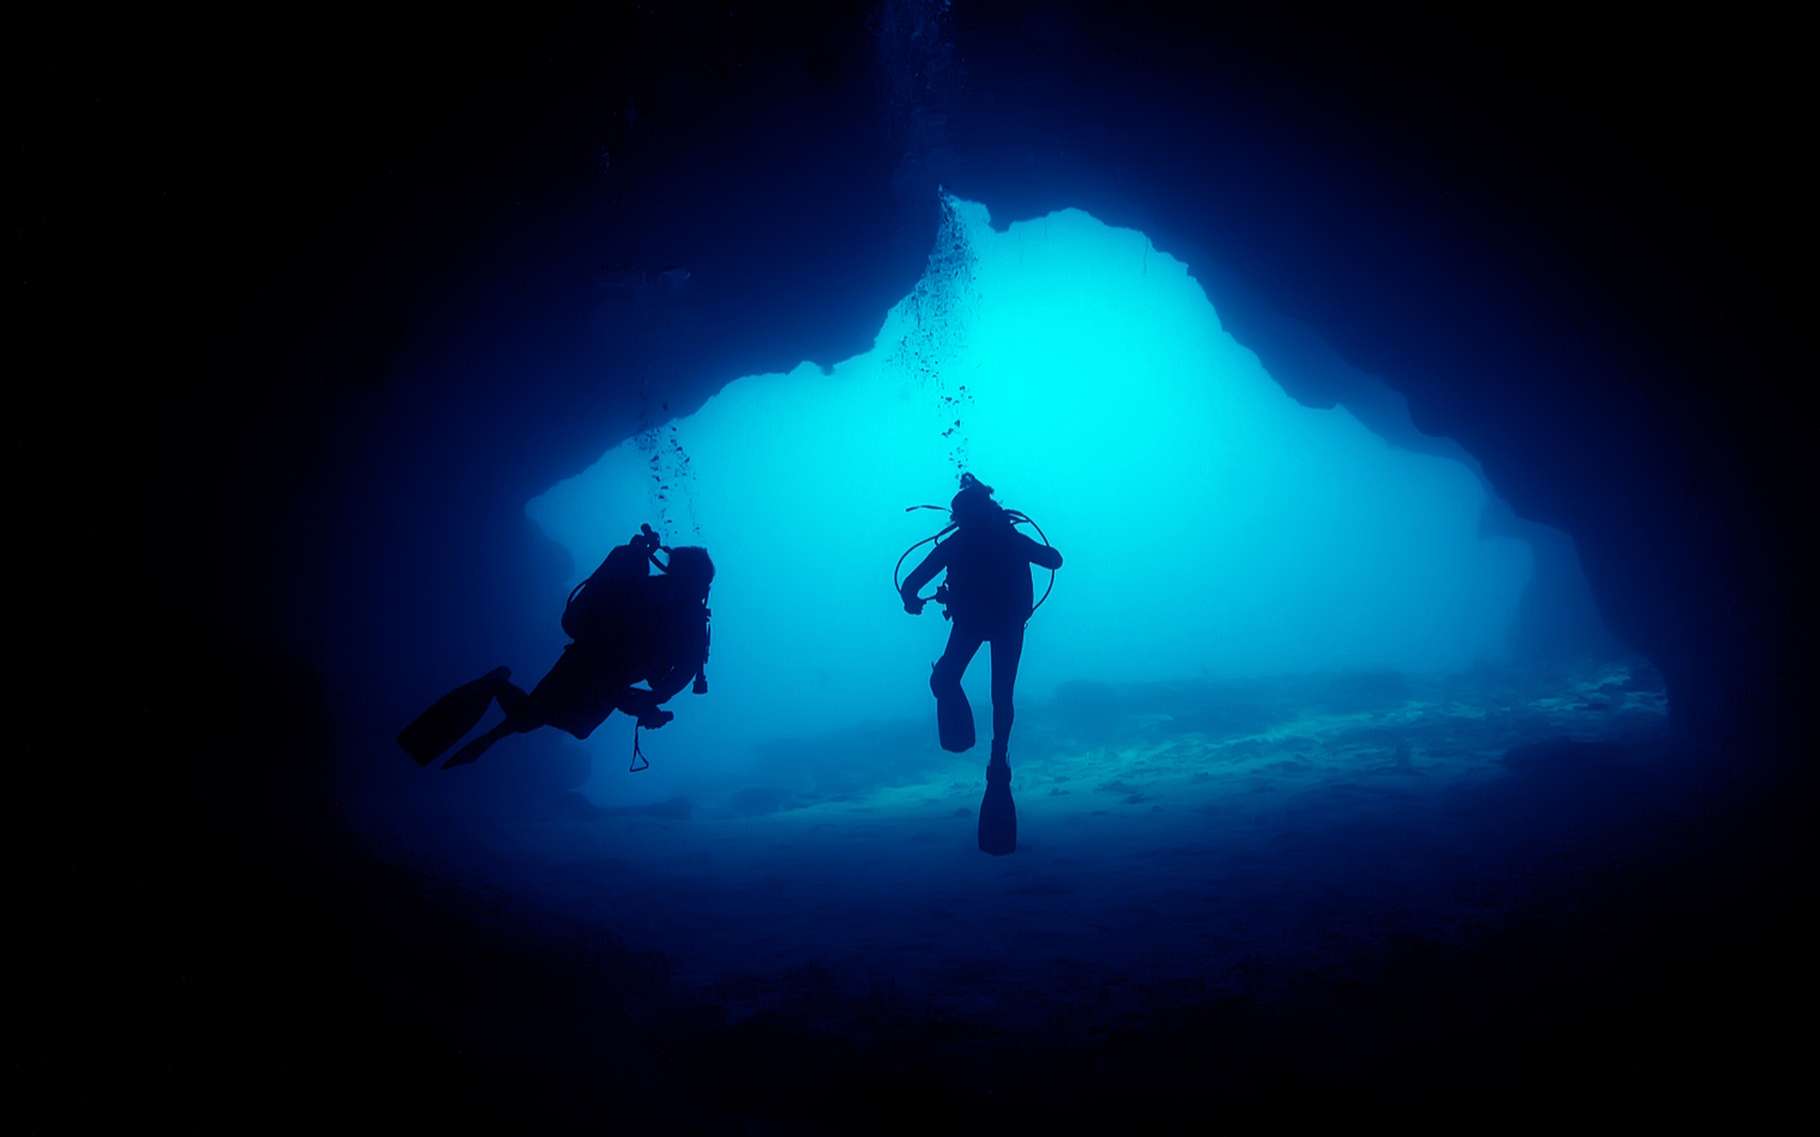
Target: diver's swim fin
{"x": 478, "y": 745}
{"x": 998, "y": 813}
{"x": 954, "y": 721}
{"x": 450, "y": 717}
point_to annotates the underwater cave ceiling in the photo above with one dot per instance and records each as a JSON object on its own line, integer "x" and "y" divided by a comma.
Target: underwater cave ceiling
{"x": 1565, "y": 428}
{"x": 1511, "y": 285}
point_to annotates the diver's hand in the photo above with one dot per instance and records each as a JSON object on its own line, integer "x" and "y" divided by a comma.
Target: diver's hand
{"x": 654, "y": 718}
{"x": 914, "y": 605}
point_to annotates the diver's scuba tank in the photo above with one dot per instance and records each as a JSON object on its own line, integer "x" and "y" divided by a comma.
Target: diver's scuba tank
{"x": 594, "y": 604}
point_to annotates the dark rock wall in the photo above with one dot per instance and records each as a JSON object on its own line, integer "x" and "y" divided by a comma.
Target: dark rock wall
{"x": 382, "y": 311}
{"x": 324, "y": 304}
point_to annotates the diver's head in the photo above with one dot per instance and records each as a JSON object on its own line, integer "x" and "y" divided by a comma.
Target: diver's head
{"x": 973, "y": 505}
{"x": 690, "y": 567}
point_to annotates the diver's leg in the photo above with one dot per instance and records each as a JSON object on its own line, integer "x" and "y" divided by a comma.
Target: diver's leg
{"x": 578, "y": 692}
{"x": 962, "y": 646}
{"x": 1007, "y": 650}
{"x": 514, "y": 702}
{"x": 481, "y": 744}
{"x": 953, "y": 714}
{"x": 519, "y": 720}
{"x": 452, "y": 716}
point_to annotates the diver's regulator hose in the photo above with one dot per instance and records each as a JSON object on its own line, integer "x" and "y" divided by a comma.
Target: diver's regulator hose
{"x": 1017, "y": 518}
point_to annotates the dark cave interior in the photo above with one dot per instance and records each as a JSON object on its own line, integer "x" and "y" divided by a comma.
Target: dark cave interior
{"x": 1592, "y": 219}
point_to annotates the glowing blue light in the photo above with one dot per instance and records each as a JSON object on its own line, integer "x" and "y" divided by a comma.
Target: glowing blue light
{"x": 1212, "y": 526}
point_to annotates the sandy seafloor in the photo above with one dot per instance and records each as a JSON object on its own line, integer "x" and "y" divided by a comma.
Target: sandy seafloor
{"x": 1178, "y": 842}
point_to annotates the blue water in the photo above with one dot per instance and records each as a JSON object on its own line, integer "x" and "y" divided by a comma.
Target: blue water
{"x": 1231, "y": 836}
{"x": 1269, "y": 720}
{"x": 1212, "y": 526}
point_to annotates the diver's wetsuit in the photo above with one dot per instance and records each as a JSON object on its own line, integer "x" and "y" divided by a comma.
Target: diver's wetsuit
{"x": 661, "y": 638}
{"x": 990, "y": 598}
{"x": 659, "y": 634}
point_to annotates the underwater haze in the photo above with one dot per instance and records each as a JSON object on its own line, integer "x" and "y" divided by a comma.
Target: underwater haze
{"x": 1270, "y": 723}
{"x": 1269, "y": 716}
{"x": 1213, "y": 527}
{"x": 1407, "y": 719}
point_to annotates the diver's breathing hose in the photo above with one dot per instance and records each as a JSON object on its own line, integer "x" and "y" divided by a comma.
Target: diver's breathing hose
{"x": 899, "y": 567}
{"x": 1021, "y": 518}
{"x": 1017, "y": 518}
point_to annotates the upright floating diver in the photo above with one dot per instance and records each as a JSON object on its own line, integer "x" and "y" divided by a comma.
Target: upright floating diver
{"x": 628, "y": 626}
{"x": 988, "y": 595}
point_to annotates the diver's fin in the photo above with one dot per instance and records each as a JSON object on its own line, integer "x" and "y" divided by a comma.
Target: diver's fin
{"x": 450, "y": 717}
{"x": 478, "y": 745}
{"x": 998, "y": 813}
{"x": 954, "y": 721}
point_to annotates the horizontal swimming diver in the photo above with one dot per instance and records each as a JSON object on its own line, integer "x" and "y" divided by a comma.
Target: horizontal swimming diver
{"x": 627, "y": 627}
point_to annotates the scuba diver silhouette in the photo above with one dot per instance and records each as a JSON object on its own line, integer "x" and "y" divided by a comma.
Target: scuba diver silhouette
{"x": 627, "y": 626}
{"x": 988, "y": 595}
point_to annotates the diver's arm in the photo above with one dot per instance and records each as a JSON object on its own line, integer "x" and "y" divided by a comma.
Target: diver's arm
{"x": 668, "y": 685}
{"x": 1044, "y": 556}
{"x": 647, "y": 706}
{"x": 691, "y": 651}
{"x": 641, "y": 705}
{"x": 922, "y": 574}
